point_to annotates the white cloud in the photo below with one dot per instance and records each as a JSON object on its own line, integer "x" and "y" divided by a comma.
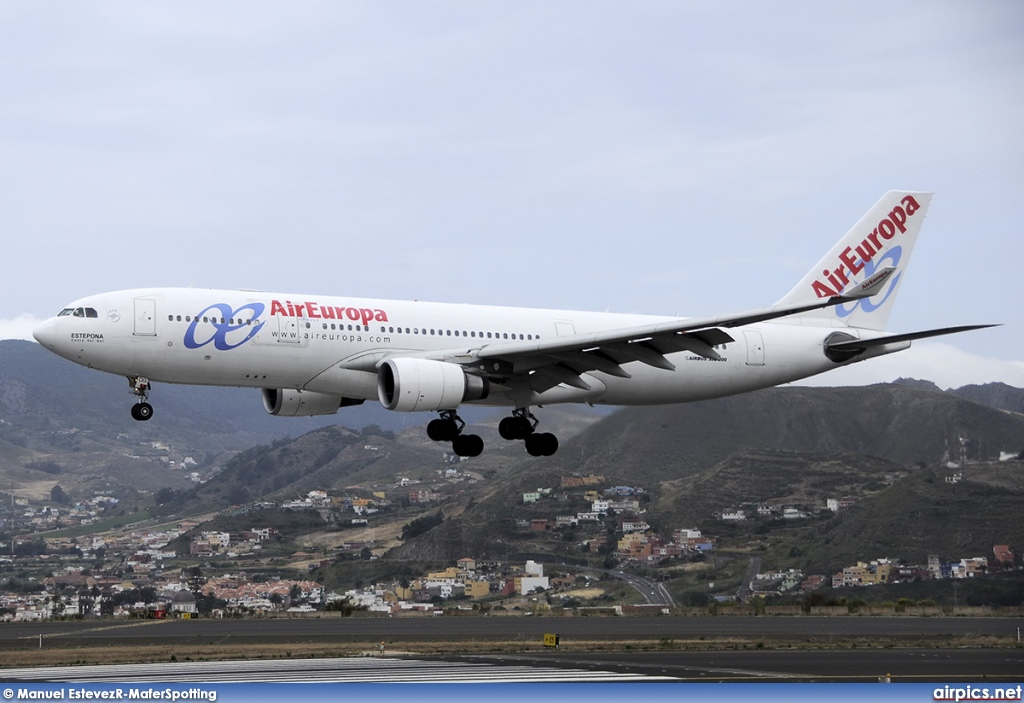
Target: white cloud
{"x": 945, "y": 365}
{"x": 18, "y": 328}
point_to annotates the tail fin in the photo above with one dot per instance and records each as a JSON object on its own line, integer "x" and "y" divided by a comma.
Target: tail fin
{"x": 884, "y": 236}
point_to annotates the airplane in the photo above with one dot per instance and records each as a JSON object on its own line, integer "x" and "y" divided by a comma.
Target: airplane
{"x": 314, "y": 354}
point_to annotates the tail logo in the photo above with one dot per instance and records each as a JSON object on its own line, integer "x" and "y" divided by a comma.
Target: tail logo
{"x": 853, "y": 260}
{"x": 892, "y": 257}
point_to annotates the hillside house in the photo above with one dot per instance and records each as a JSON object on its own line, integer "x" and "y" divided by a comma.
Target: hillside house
{"x": 1002, "y": 555}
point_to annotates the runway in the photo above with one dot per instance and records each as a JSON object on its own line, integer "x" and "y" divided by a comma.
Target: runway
{"x": 728, "y": 648}
{"x": 509, "y": 630}
{"x": 337, "y": 670}
{"x": 845, "y": 666}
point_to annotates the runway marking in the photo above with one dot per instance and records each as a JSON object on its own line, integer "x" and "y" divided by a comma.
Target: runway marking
{"x": 353, "y": 670}
{"x": 79, "y": 632}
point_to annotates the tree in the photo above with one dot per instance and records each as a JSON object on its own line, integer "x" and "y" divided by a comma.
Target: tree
{"x": 57, "y": 495}
{"x": 422, "y": 524}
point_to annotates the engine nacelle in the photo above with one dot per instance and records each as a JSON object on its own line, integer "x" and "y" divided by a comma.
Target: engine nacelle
{"x": 408, "y": 385}
{"x": 294, "y": 403}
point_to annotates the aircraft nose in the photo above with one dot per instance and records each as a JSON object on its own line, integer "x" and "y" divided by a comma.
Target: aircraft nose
{"x": 46, "y": 333}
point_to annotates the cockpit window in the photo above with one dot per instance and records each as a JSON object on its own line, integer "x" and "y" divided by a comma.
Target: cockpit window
{"x": 78, "y": 312}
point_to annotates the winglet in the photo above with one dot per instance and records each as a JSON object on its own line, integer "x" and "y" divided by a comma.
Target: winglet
{"x": 868, "y": 287}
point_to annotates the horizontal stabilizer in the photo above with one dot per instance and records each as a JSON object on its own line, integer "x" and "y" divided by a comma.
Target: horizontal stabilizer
{"x": 858, "y": 345}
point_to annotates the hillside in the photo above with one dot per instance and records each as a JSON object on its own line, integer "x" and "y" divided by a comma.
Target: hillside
{"x": 919, "y": 515}
{"x": 62, "y": 423}
{"x": 994, "y": 395}
{"x": 784, "y": 445}
{"x": 885, "y": 446}
{"x": 899, "y": 424}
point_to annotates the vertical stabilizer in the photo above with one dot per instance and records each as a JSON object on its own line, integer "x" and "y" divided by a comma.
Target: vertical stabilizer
{"x": 884, "y": 236}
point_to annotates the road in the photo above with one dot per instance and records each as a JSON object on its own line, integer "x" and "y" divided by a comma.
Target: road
{"x": 653, "y": 592}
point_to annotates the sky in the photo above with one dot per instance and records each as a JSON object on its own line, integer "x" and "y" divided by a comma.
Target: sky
{"x": 678, "y": 157}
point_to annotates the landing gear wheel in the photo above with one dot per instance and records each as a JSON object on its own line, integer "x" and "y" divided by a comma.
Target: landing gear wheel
{"x": 542, "y": 444}
{"x": 142, "y": 411}
{"x": 516, "y": 427}
{"x": 468, "y": 445}
{"x": 442, "y": 430}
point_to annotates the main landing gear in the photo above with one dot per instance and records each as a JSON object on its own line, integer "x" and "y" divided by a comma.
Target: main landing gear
{"x": 523, "y": 425}
{"x": 448, "y": 428}
{"x": 140, "y": 387}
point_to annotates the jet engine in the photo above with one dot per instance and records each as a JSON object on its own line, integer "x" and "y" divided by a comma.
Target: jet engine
{"x": 295, "y": 403}
{"x": 408, "y": 385}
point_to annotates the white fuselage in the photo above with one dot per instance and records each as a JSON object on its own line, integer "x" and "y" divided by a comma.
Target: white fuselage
{"x": 333, "y": 345}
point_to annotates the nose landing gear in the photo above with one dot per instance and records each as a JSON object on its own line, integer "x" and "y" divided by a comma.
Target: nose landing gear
{"x": 523, "y": 425}
{"x": 448, "y": 428}
{"x": 142, "y": 410}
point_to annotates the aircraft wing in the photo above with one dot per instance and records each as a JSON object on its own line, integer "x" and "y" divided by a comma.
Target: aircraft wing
{"x": 548, "y": 362}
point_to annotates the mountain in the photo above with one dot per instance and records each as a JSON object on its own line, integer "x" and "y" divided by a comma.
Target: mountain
{"x": 898, "y": 424}
{"x": 994, "y": 395}
{"x": 782, "y": 445}
{"x": 40, "y": 389}
{"x": 66, "y": 424}
{"x": 61, "y": 423}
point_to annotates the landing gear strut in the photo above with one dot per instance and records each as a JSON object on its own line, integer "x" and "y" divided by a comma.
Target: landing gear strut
{"x": 140, "y": 387}
{"x": 523, "y": 425}
{"x": 448, "y": 428}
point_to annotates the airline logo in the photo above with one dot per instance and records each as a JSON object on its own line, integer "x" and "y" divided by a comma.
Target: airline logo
{"x": 229, "y": 328}
{"x": 853, "y": 260}
{"x": 327, "y": 312}
{"x": 225, "y": 330}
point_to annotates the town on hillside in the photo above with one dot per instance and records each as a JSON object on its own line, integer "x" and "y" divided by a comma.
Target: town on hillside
{"x": 252, "y": 560}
